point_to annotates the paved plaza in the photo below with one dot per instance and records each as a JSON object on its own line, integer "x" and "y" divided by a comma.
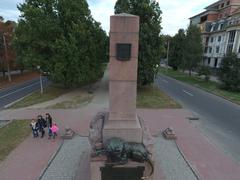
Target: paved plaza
{"x": 193, "y": 156}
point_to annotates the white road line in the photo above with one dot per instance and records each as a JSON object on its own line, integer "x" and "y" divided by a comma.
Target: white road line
{"x": 18, "y": 90}
{"x": 188, "y": 93}
{"x": 165, "y": 81}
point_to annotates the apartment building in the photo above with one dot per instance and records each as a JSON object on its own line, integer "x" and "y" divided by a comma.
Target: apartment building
{"x": 220, "y": 27}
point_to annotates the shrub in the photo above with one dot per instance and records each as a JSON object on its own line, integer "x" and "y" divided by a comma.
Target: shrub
{"x": 205, "y": 71}
{"x": 230, "y": 72}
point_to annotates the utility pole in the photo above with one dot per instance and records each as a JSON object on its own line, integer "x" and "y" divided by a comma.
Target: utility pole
{"x": 40, "y": 78}
{"x": 168, "y": 52}
{"x": 7, "y": 59}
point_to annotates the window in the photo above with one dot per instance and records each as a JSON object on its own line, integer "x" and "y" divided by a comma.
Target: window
{"x": 231, "y": 36}
{"x": 239, "y": 49}
{"x": 219, "y": 38}
{"x": 217, "y": 49}
{"x": 209, "y": 61}
{"x": 228, "y": 3}
{"x": 207, "y": 39}
{"x": 216, "y": 62}
{"x": 212, "y": 39}
{"x": 221, "y": 26}
{"x": 210, "y": 49}
{"x": 205, "y": 50}
{"x": 229, "y": 48}
{"x": 222, "y": 5}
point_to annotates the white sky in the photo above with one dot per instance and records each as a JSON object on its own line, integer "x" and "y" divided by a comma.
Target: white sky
{"x": 175, "y": 12}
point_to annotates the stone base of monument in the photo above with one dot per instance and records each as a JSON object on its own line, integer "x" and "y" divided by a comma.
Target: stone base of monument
{"x": 101, "y": 168}
{"x": 130, "y": 131}
{"x": 132, "y": 170}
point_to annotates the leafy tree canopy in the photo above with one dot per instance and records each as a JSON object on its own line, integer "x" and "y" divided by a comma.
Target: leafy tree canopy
{"x": 176, "y": 54}
{"x": 193, "y": 48}
{"x": 62, "y": 37}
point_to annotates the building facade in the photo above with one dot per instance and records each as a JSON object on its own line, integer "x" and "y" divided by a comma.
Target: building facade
{"x": 220, "y": 27}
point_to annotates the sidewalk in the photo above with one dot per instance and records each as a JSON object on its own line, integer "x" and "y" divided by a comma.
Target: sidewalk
{"x": 29, "y": 159}
{"x": 208, "y": 162}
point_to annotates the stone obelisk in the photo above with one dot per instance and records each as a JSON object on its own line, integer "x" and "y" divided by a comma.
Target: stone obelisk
{"x": 123, "y": 121}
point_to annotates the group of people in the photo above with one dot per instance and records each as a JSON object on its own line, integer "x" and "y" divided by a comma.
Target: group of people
{"x": 38, "y": 126}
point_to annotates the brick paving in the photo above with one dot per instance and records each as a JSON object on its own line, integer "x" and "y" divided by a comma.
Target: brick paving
{"x": 209, "y": 162}
{"x": 29, "y": 159}
{"x": 66, "y": 163}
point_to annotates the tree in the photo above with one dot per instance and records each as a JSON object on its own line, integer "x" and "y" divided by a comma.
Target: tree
{"x": 193, "y": 48}
{"x": 122, "y": 6}
{"x": 176, "y": 54}
{"x": 229, "y": 72}
{"x": 7, "y": 53}
{"x": 62, "y": 37}
{"x": 149, "y": 37}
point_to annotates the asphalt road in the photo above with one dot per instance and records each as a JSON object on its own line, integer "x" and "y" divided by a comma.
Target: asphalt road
{"x": 14, "y": 93}
{"x": 219, "y": 118}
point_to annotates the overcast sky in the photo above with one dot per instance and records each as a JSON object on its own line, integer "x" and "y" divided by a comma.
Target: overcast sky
{"x": 175, "y": 12}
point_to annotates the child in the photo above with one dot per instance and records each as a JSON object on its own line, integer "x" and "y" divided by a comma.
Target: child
{"x": 34, "y": 126}
{"x": 54, "y": 130}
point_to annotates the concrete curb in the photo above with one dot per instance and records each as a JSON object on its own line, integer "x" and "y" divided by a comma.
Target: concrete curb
{"x": 194, "y": 171}
{"x": 10, "y": 104}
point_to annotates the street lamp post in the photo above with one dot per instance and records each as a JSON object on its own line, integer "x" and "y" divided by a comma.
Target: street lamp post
{"x": 167, "y": 52}
{"x": 6, "y": 57}
{"x": 40, "y": 78}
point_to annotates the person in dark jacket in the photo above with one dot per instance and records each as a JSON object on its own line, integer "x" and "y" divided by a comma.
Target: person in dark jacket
{"x": 42, "y": 124}
{"x": 49, "y": 124}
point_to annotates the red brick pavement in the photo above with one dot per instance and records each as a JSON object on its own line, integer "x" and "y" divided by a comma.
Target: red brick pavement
{"x": 209, "y": 162}
{"x": 28, "y": 159}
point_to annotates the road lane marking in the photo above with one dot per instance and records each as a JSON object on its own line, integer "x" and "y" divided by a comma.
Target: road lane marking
{"x": 188, "y": 93}
{"x": 18, "y": 90}
{"x": 165, "y": 81}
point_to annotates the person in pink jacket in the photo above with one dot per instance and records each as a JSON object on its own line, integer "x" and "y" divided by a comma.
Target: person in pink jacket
{"x": 54, "y": 130}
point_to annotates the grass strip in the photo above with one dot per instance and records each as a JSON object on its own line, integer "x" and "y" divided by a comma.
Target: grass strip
{"x": 12, "y": 135}
{"x": 151, "y": 97}
{"x": 49, "y": 93}
{"x": 210, "y": 86}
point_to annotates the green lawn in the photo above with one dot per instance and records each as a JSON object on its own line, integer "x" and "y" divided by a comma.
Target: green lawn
{"x": 210, "y": 86}
{"x": 50, "y": 93}
{"x": 152, "y": 98}
{"x": 12, "y": 135}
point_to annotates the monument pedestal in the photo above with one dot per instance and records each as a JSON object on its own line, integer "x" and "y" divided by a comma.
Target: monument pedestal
{"x": 130, "y": 131}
